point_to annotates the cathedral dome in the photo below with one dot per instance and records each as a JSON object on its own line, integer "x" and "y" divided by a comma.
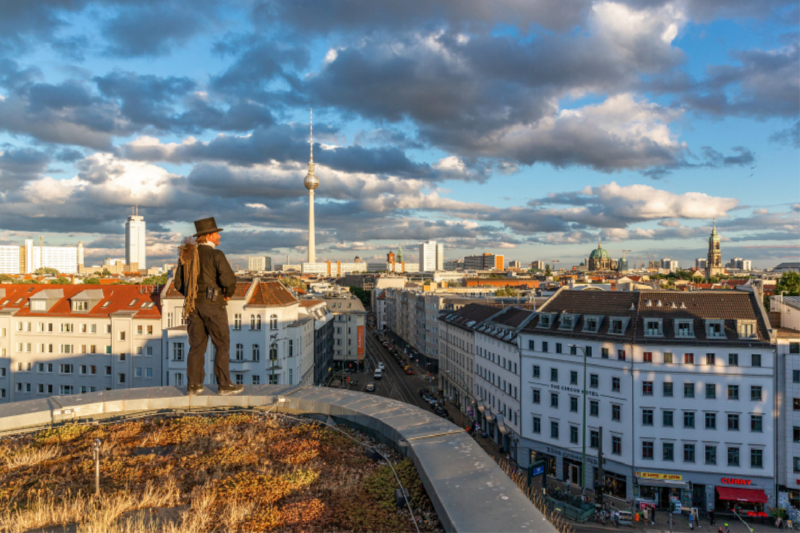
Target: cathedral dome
{"x": 599, "y": 253}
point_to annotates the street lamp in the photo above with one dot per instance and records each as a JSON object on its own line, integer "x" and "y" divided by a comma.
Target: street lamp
{"x": 583, "y": 466}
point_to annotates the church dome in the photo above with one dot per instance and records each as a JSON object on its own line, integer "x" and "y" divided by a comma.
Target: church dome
{"x": 599, "y": 253}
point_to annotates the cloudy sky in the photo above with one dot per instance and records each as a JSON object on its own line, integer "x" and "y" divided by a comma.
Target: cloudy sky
{"x": 531, "y": 128}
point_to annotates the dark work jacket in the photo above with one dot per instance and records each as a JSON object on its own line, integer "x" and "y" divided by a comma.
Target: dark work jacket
{"x": 215, "y": 271}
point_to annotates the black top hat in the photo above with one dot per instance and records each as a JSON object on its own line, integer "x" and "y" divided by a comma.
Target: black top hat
{"x": 206, "y": 226}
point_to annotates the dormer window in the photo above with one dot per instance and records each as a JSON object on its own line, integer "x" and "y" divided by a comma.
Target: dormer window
{"x": 591, "y": 323}
{"x": 652, "y": 327}
{"x": 684, "y": 329}
{"x": 617, "y": 325}
{"x": 545, "y": 320}
{"x": 568, "y": 321}
{"x": 746, "y": 328}
{"x": 38, "y": 305}
{"x": 715, "y": 329}
{"x": 133, "y": 302}
{"x": 80, "y": 306}
{"x": 106, "y": 304}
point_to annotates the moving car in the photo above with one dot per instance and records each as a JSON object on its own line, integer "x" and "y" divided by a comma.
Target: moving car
{"x": 370, "y": 387}
{"x": 378, "y": 373}
{"x": 381, "y": 366}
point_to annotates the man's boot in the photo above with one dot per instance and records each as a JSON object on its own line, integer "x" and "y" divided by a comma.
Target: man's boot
{"x": 194, "y": 390}
{"x": 229, "y": 389}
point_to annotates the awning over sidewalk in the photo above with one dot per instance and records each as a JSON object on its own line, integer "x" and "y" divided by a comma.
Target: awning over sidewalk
{"x": 501, "y": 426}
{"x": 663, "y": 483}
{"x": 742, "y": 495}
{"x": 489, "y": 417}
{"x": 481, "y": 407}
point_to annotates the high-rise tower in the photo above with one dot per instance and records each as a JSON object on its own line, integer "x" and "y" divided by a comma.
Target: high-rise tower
{"x": 135, "y": 244}
{"x": 714, "y": 264}
{"x": 311, "y": 183}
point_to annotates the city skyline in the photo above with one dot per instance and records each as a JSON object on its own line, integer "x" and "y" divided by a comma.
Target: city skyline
{"x": 531, "y": 131}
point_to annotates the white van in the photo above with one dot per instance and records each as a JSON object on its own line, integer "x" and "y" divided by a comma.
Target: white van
{"x": 378, "y": 373}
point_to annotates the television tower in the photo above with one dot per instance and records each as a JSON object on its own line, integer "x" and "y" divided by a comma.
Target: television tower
{"x": 311, "y": 182}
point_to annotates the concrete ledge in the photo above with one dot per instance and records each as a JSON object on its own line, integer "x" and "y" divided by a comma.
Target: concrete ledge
{"x": 469, "y": 491}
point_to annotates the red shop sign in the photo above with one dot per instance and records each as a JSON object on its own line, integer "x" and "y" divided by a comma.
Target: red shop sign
{"x": 735, "y": 481}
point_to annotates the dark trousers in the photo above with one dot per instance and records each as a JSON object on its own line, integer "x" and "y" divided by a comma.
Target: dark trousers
{"x": 208, "y": 320}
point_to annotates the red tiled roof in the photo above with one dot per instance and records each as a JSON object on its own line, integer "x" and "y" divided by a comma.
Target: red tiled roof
{"x": 238, "y": 294}
{"x": 271, "y": 294}
{"x": 118, "y": 298}
{"x": 310, "y": 303}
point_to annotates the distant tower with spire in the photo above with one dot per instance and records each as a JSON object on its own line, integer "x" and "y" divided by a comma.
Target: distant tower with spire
{"x": 311, "y": 183}
{"x": 714, "y": 264}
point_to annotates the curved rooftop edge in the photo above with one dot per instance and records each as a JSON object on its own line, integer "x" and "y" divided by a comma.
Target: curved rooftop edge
{"x": 468, "y": 489}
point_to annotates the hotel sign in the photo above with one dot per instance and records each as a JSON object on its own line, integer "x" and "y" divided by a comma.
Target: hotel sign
{"x": 655, "y": 475}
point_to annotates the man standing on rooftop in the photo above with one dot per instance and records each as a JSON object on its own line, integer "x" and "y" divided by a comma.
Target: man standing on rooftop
{"x": 205, "y": 279}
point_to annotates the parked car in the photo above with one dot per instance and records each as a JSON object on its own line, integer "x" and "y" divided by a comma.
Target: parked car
{"x": 410, "y": 371}
{"x": 370, "y": 387}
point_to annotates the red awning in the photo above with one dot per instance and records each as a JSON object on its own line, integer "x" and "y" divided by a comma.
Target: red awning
{"x": 742, "y": 495}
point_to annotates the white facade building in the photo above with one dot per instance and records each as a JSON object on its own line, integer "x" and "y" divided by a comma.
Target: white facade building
{"x": 349, "y": 342}
{"x": 431, "y": 256}
{"x": 259, "y": 264}
{"x": 10, "y": 260}
{"x": 669, "y": 264}
{"x": 135, "y": 241}
{"x": 681, "y": 384}
{"x": 72, "y": 339}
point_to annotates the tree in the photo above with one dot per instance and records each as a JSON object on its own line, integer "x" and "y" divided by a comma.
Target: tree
{"x": 6, "y": 277}
{"x": 361, "y": 294}
{"x": 506, "y": 291}
{"x": 156, "y": 280}
{"x": 105, "y": 273}
{"x": 547, "y": 271}
{"x": 46, "y": 271}
{"x": 91, "y": 281}
{"x": 293, "y": 282}
{"x": 788, "y": 284}
{"x": 60, "y": 281}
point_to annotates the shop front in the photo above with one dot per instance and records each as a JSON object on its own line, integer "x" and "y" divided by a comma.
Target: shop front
{"x": 663, "y": 490}
{"x": 740, "y": 494}
{"x": 503, "y": 435}
{"x": 614, "y": 484}
{"x": 572, "y": 471}
{"x": 489, "y": 429}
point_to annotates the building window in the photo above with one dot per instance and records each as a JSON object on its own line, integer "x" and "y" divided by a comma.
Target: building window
{"x": 755, "y": 359}
{"x": 667, "y": 386}
{"x": 594, "y": 408}
{"x": 688, "y": 453}
{"x": 291, "y": 350}
{"x": 733, "y": 392}
{"x": 733, "y": 359}
{"x": 688, "y": 390}
{"x": 667, "y": 419}
{"x": 648, "y": 357}
{"x": 138, "y": 372}
{"x": 711, "y": 455}
{"x": 554, "y": 374}
{"x": 554, "y": 430}
{"x": 258, "y": 322}
{"x": 616, "y": 445}
{"x": 178, "y": 379}
{"x": 65, "y": 369}
{"x": 604, "y": 353}
{"x": 796, "y": 376}
{"x": 710, "y": 359}
{"x": 796, "y": 404}
{"x": 273, "y": 352}
{"x": 688, "y": 359}
{"x": 615, "y": 385}
{"x": 668, "y": 357}
{"x": 558, "y": 347}
{"x": 796, "y": 464}
{"x": 794, "y": 347}
{"x": 536, "y": 371}
{"x": 647, "y": 450}
{"x": 256, "y": 379}
{"x": 537, "y": 425}
{"x": 237, "y": 321}
{"x": 647, "y": 417}
{"x": 121, "y": 378}
{"x": 239, "y": 354}
{"x": 755, "y": 393}
{"x": 588, "y": 351}
{"x": 573, "y": 350}
{"x": 616, "y": 412}
{"x": 711, "y": 421}
{"x": 544, "y": 346}
{"x": 530, "y": 345}
{"x": 536, "y": 396}
{"x": 711, "y": 391}
{"x": 273, "y": 322}
{"x": 733, "y": 422}
{"x": 239, "y": 379}
{"x": 621, "y": 355}
{"x": 756, "y": 423}
{"x": 177, "y": 351}
{"x": 594, "y": 381}
{"x": 573, "y": 378}
{"x": 594, "y": 439}
{"x": 573, "y": 435}
{"x": 668, "y": 451}
{"x": 688, "y": 419}
{"x": 756, "y": 458}
{"x": 796, "y": 434}
{"x": 256, "y": 353}
{"x": 554, "y": 399}
{"x": 573, "y": 404}
{"x": 733, "y": 456}
{"x": 647, "y": 388}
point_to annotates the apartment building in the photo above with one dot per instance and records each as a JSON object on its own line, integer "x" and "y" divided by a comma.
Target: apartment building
{"x": 323, "y": 347}
{"x": 681, "y": 384}
{"x": 497, "y": 375}
{"x": 431, "y": 256}
{"x": 785, "y": 318}
{"x": 457, "y": 352}
{"x": 348, "y": 330}
{"x": 267, "y": 336}
{"x": 484, "y": 261}
{"x": 72, "y": 339}
{"x": 259, "y": 264}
